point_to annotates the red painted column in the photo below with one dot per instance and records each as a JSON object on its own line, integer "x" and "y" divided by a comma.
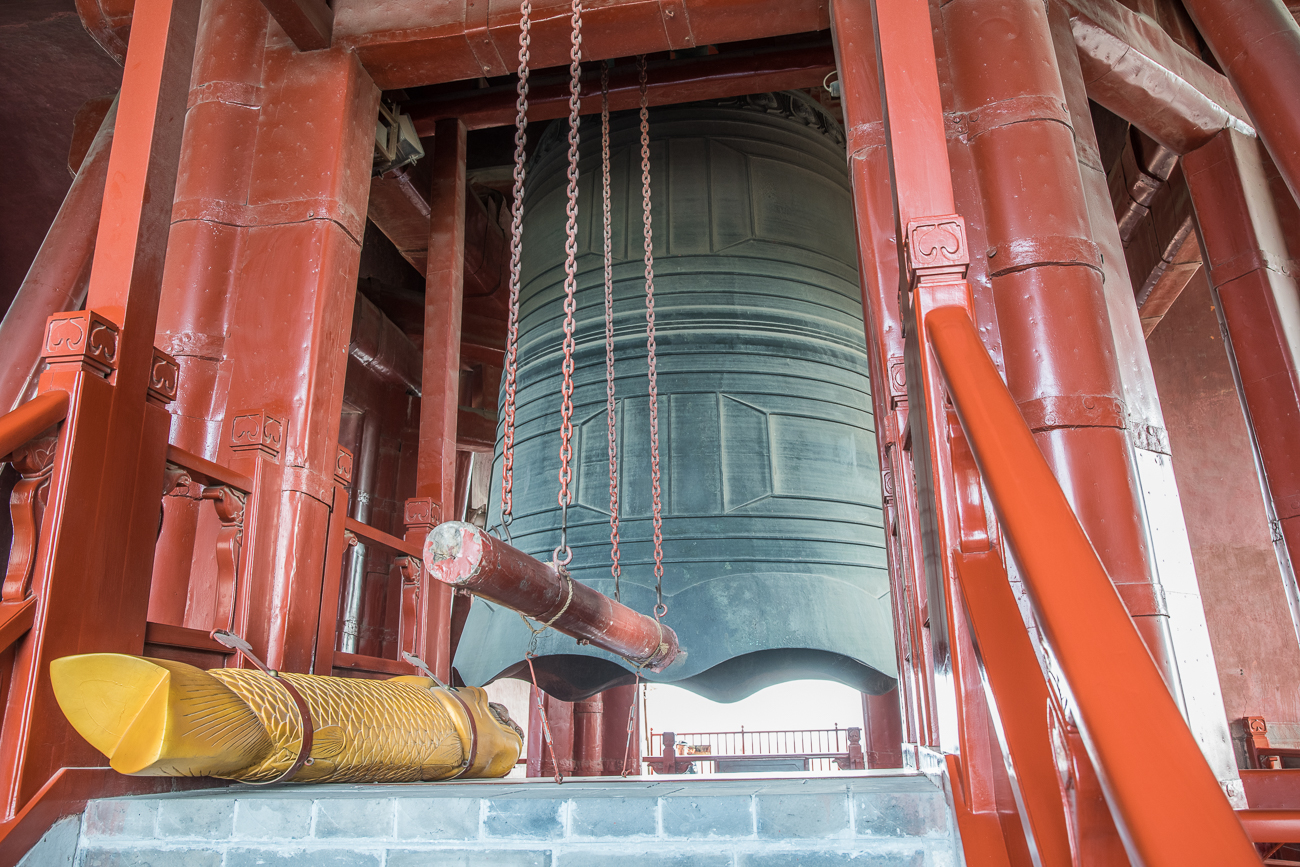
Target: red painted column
{"x": 589, "y": 736}
{"x": 439, "y": 397}
{"x": 1047, "y": 282}
{"x": 878, "y": 270}
{"x": 295, "y": 274}
{"x": 620, "y": 751}
{"x": 1245, "y": 252}
{"x": 884, "y": 736}
{"x": 199, "y": 279}
{"x": 56, "y": 280}
{"x": 92, "y": 581}
{"x": 559, "y": 718}
{"x": 1257, "y": 42}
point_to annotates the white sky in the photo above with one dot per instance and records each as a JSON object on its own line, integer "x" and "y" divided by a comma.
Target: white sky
{"x": 798, "y": 704}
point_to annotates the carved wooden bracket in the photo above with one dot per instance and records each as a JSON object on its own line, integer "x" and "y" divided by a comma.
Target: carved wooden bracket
{"x": 936, "y": 250}
{"x": 412, "y": 570}
{"x": 343, "y": 467}
{"x": 257, "y": 431}
{"x": 230, "y": 506}
{"x": 422, "y": 513}
{"x": 164, "y": 376}
{"x": 35, "y": 462}
{"x": 83, "y": 338}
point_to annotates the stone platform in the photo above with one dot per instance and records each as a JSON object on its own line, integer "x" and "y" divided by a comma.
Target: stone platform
{"x": 865, "y": 818}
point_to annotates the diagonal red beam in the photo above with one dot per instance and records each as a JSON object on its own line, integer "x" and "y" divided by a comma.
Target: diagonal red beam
{"x": 309, "y": 23}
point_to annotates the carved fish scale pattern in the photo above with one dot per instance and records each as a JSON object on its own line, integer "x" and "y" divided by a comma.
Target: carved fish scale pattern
{"x": 365, "y": 730}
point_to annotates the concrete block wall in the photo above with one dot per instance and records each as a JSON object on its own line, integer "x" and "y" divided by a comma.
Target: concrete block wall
{"x": 890, "y": 821}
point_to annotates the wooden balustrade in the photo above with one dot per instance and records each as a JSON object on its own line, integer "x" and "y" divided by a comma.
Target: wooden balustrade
{"x": 348, "y": 539}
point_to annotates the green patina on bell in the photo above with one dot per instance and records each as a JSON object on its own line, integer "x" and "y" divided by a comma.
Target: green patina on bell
{"x": 774, "y": 551}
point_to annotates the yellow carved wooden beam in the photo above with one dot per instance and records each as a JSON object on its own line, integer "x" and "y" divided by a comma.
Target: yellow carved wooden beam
{"x": 155, "y": 717}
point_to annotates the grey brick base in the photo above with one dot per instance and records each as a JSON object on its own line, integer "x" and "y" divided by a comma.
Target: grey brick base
{"x": 870, "y": 820}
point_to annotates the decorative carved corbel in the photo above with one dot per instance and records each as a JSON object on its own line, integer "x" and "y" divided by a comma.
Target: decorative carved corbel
{"x": 412, "y": 570}
{"x": 35, "y": 463}
{"x": 257, "y": 431}
{"x": 229, "y": 503}
{"x": 343, "y": 467}
{"x": 82, "y": 338}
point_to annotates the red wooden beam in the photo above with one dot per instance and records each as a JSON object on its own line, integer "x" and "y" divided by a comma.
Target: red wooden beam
{"x": 439, "y": 403}
{"x": 669, "y": 83}
{"x": 1257, "y": 42}
{"x": 308, "y": 23}
{"x": 461, "y": 555}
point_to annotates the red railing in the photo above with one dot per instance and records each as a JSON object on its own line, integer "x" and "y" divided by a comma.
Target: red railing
{"x": 815, "y": 750}
{"x": 1167, "y": 812}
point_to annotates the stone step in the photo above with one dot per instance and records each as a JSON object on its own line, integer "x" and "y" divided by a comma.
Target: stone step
{"x": 866, "y": 818}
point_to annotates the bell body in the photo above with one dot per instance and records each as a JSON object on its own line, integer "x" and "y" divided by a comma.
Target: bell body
{"x": 774, "y": 553}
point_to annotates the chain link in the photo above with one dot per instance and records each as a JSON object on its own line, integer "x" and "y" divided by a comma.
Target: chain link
{"x": 563, "y": 554}
{"x": 655, "y": 493}
{"x": 516, "y": 233}
{"x": 611, "y": 405}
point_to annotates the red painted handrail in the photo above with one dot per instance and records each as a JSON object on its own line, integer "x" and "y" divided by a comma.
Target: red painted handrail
{"x": 1171, "y": 811}
{"x": 25, "y": 422}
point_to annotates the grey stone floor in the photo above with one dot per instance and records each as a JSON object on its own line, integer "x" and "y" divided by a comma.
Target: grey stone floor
{"x": 871, "y": 818}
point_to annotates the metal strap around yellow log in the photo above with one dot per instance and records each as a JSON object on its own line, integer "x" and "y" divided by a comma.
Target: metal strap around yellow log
{"x": 25, "y": 422}
{"x": 1169, "y": 812}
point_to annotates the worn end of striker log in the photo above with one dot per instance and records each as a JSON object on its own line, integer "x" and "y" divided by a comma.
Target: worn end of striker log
{"x": 453, "y": 551}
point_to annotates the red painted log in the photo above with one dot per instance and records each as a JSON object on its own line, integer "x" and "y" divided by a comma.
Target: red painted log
{"x": 55, "y": 282}
{"x": 467, "y": 558}
{"x": 1257, "y": 42}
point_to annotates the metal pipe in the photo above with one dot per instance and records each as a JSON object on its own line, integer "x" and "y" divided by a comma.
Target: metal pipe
{"x": 56, "y": 280}
{"x": 25, "y": 422}
{"x": 467, "y": 558}
{"x": 1257, "y": 42}
{"x": 1114, "y": 682}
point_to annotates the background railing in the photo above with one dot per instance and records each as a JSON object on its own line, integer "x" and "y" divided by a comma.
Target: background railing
{"x": 813, "y": 750}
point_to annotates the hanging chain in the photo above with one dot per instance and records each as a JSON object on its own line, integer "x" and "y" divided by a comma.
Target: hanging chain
{"x": 546, "y": 726}
{"x": 660, "y": 608}
{"x": 516, "y": 229}
{"x": 611, "y": 406}
{"x": 631, "y": 721}
{"x": 563, "y": 554}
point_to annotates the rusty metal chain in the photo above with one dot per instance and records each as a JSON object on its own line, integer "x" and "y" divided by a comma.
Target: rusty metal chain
{"x": 546, "y": 725}
{"x": 611, "y": 405}
{"x": 516, "y": 230}
{"x": 632, "y": 718}
{"x": 655, "y": 492}
{"x": 563, "y": 554}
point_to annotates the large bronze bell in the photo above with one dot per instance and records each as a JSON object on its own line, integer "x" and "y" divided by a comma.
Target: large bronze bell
{"x": 773, "y": 544}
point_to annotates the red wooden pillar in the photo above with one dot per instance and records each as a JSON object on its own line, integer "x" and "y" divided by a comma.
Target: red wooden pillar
{"x": 884, "y": 735}
{"x": 439, "y": 396}
{"x": 91, "y": 582}
{"x": 295, "y": 274}
{"x": 1047, "y": 282}
{"x": 622, "y": 710}
{"x": 1257, "y": 42}
{"x": 1244, "y": 246}
{"x": 559, "y": 717}
{"x": 878, "y": 269}
{"x": 589, "y": 736}
{"x": 199, "y": 280}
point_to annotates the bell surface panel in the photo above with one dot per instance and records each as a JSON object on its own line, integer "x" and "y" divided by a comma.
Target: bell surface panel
{"x": 774, "y": 553}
